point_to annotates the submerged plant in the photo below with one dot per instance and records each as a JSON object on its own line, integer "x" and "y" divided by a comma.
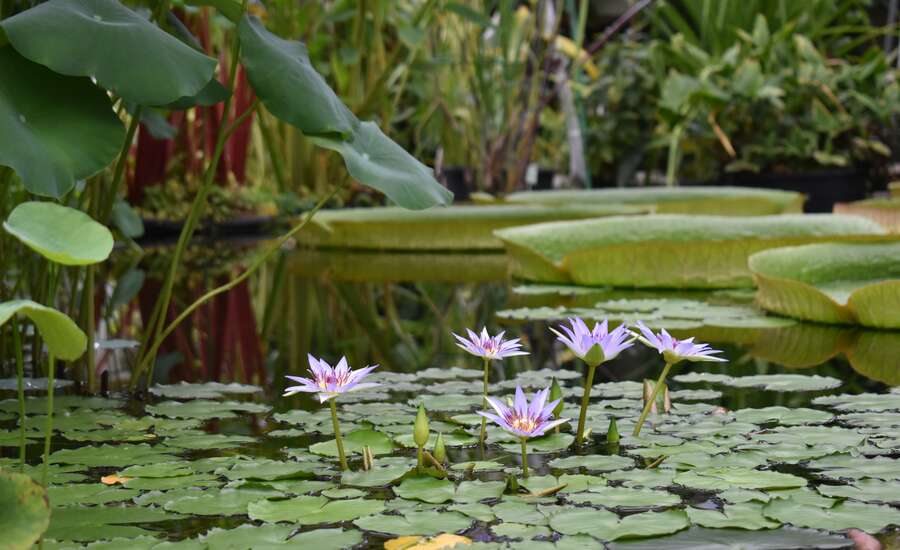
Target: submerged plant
{"x": 488, "y": 347}
{"x": 673, "y": 351}
{"x": 525, "y": 420}
{"x": 594, "y": 347}
{"x": 329, "y": 382}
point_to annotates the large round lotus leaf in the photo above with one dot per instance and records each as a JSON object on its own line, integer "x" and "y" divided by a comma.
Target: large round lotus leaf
{"x": 59, "y": 233}
{"x": 375, "y": 160}
{"x": 870, "y": 518}
{"x": 288, "y": 85}
{"x": 849, "y": 283}
{"x": 24, "y": 511}
{"x": 54, "y": 129}
{"x": 311, "y": 510}
{"x": 731, "y": 539}
{"x": 665, "y": 251}
{"x": 719, "y": 200}
{"x": 425, "y": 522}
{"x": 63, "y": 337}
{"x": 102, "y": 39}
{"x": 454, "y": 228}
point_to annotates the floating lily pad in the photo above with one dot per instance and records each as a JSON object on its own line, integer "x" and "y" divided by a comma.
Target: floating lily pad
{"x": 83, "y": 523}
{"x": 267, "y": 470}
{"x": 594, "y": 463}
{"x": 415, "y": 523}
{"x": 204, "y": 409}
{"x": 88, "y": 493}
{"x": 747, "y": 515}
{"x": 865, "y": 490}
{"x": 726, "y": 478}
{"x": 607, "y": 526}
{"x": 384, "y": 472}
{"x": 733, "y": 539}
{"x": 312, "y": 510}
{"x": 354, "y": 442}
{"x": 550, "y": 443}
{"x": 870, "y": 518}
{"x": 224, "y": 502}
{"x": 840, "y": 283}
{"x": 208, "y": 390}
{"x": 783, "y": 416}
{"x": 112, "y": 456}
{"x": 637, "y": 252}
{"x": 573, "y": 483}
{"x": 625, "y": 498}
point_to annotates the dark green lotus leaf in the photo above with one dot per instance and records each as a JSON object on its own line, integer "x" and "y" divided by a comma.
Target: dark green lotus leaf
{"x": 54, "y": 129}
{"x": 211, "y": 94}
{"x": 312, "y": 510}
{"x": 594, "y": 463}
{"x": 24, "y": 511}
{"x": 747, "y": 515}
{"x": 606, "y": 525}
{"x": 63, "y": 337}
{"x": 625, "y": 498}
{"x": 88, "y": 493}
{"x": 56, "y": 474}
{"x": 101, "y": 39}
{"x": 733, "y": 539}
{"x": 354, "y": 441}
{"x": 375, "y": 160}
{"x": 415, "y": 523}
{"x": 87, "y": 523}
{"x": 870, "y": 518}
{"x": 718, "y": 479}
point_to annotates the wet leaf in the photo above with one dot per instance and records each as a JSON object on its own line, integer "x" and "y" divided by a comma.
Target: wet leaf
{"x": 607, "y": 526}
{"x": 870, "y": 518}
{"x": 415, "y": 523}
{"x": 312, "y": 510}
{"x": 727, "y": 478}
{"x": 24, "y": 510}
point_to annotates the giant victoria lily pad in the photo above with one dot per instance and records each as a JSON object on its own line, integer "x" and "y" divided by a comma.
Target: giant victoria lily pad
{"x": 838, "y": 283}
{"x": 665, "y": 251}
{"x": 719, "y": 200}
{"x": 453, "y": 228}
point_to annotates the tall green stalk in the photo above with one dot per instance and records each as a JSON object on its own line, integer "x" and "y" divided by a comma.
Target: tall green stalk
{"x": 524, "y": 457}
{"x": 337, "y": 434}
{"x": 585, "y": 399}
{"x": 487, "y": 364}
{"x": 48, "y": 435}
{"x": 649, "y": 404}
{"x": 20, "y": 387}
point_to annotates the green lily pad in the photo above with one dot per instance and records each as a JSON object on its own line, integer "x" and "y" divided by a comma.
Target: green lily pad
{"x": 266, "y": 470}
{"x": 550, "y": 443}
{"x": 112, "y": 456}
{"x": 436, "y": 491}
{"x": 637, "y": 252}
{"x": 518, "y": 511}
{"x": 83, "y": 523}
{"x": 783, "y": 416}
{"x": 846, "y": 466}
{"x": 224, "y": 502}
{"x": 733, "y": 539}
{"x": 385, "y": 471}
{"x": 478, "y": 466}
{"x": 88, "y": 493}
{"x": 24, "y": 510}
{"x": 204, "y": 409}
{"x": 312, "y": 510}
{"x": 607, "y": 526}
{"x": 97, "y": 39}
{"x": 574, "y": 483}
{"x": 207, "y": 390}
{"x": 747, "y": 515}
{"x": 651, "y": 479}
{"x": 519, "y": 531}
{"x": 415, "y": 523}
{"x": 62, "y": 336}
{"x": 728, "y": 478}
{"x": 354, "y": 442}
{"x": 870, "y": 518}
{"x": 861, "y": 402}
{"x": 475, "y": 510}
{"x": 865, "y": 490}
{"x": 54, "y": 129}
{"x": 594, "y": 463}
{"x": 838, "y": 283}
{"x": 626, "y": 498}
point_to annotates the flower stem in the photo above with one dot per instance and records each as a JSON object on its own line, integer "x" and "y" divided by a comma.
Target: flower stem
{"x": 649, "y": 404}
{"x": 20, "y": 386}
{"x": 585, "y": 399}
{"x": 420, "y": 462}
{"x": 337, "y": 435}
{"x": 51, "y": 368}
{"x": 524, "y": 457}
{"x": 487, "y": 363}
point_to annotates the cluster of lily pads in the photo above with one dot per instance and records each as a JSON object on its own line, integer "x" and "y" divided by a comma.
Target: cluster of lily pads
{"x": 523, "y": 419}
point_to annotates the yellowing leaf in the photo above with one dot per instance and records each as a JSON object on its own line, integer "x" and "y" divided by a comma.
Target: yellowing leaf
{"x": 113, "y": 479}
{"x": 445, "y": 540}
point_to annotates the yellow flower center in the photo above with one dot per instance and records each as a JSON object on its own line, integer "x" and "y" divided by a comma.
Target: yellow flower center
{"x": 524, "y": 424}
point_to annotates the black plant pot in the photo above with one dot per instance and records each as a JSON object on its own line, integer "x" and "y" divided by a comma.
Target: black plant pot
{"x": 822, "y": 188}
{"x": 157, "y": 231}
{"x": 461, "y": 180}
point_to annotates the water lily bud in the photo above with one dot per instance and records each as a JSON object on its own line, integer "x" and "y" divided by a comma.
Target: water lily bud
{"x": 612, "y": 433}
{"x": 556, "y": 393}
{"x": 594, "y": 356}
{"x": 440, "y": 452}
{"x": 421, "y": 430}
{"x": 662, "y": 403}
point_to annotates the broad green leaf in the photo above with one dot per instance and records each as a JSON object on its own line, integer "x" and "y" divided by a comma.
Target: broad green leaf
{"x": 101, "y": 39}
{"x": 24, "y": 511}
{"x": 84, "y": 523}
{"x": 288, "y": 85}
{"x": 354, "y": 442}
{"x": 665, "y": 251}
{"x": 870, "y": 518}
{"x": 59, "y": 233}
{"x": 623, "y": 497}
{"x": 205, "y": 409}
{"x": 112, "y": 456}
{"x": 865, "y": 490}
{"x": 229, "y": 8}
{"x": 54, "y": 129}
{"x": 719, "y": 200}
{"x": 747, "y": 515}
{"x": 385, "y": 471}
{"x": 873, "y": 353}
{"x": 312, "y": 510}
{"x": 717, "y": 479}
{"x": 415, "y": 523}
{"x": 63, "y": 337}
{"x": 838, "y": 283}
{"x": 731, "y": 539}
{"x": 375, "y": 160}
{"x": 453, "y": 228}
{"x": 606, "y": 525}
{"x": 215, "y": 502}
{"x": 593, "y": 463}
{"x": 88, "y": 493}
{"x": 376, "y": 266}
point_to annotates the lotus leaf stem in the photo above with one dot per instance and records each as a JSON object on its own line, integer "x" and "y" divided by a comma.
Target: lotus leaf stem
{"x": 51, "y": 368}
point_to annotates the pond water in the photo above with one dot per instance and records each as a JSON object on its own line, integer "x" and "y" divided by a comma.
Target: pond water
{"x": 791, "y": 442}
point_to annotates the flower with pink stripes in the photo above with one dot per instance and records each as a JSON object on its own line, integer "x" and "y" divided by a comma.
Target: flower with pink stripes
{"x": 489, "y": 347}
{"x": 329, "y": 382}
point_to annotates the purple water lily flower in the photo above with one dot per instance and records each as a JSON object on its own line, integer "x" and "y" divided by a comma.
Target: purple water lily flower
{"x": 330, "y": 382}
{"x": 674, "y": 350}
{"x": 489, "y": 347}
{"x": 525, "y": 419}
{"x": 594, "y": 346}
